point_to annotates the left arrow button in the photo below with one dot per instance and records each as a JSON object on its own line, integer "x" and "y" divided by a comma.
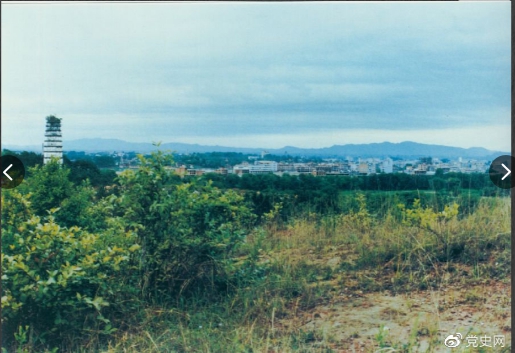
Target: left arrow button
{"x": 5, "y": 172}
{"x": 13, "y": 172}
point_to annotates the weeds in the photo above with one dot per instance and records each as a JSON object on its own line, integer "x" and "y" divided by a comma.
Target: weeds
{"x": 283, "y": 271}
{"x": 287, "y": 274}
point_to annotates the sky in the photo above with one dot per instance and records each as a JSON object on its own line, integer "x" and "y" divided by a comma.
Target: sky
{"x": 259, "y": 74}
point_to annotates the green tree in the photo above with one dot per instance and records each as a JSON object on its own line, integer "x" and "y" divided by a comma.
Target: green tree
{"x": 81, "y": 170}
{"x": 49, "y": 189}
{"x": 80, "y": 209}
{"x": 104, "y": 161}
{"x": 29, "y": 159}
{"x": 49, "y": 186}
{"x": 187, "y": 231}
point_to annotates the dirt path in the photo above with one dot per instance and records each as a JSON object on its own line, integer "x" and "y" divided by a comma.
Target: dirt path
{"x": 415, "y": 322}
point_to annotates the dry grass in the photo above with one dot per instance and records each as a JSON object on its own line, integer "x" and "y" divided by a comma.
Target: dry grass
{"x": 344, "y": 283}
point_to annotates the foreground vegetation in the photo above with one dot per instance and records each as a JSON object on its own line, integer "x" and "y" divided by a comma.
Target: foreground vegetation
{"x": 157, "y": 263}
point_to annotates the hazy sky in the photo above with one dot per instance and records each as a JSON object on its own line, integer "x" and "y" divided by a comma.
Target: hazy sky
{"x": 259, "y": 74}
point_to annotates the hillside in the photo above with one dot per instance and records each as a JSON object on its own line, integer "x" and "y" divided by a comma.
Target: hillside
{"x": 403, "y": 149}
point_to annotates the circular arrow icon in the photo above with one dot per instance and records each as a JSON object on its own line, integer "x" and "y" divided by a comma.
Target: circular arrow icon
{"x": 13, "y": 172}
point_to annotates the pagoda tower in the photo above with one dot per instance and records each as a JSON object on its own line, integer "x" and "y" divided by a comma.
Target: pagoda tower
{"x": 53, "y": 145}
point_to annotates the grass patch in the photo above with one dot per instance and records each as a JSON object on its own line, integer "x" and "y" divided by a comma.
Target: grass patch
{"x": 284, "y": 271}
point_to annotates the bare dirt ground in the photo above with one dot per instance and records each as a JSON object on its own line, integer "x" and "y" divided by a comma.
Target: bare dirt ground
{"x": 413, "y": 322}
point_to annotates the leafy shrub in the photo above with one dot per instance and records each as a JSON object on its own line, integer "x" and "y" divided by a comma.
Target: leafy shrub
{"x": 360, "y": 218}
{"x": 60, "y": 281}
{"x": 80, "y": 209}
{"x": 441, "y": 224}
{"x": 48, "y": 186}
{"x": 187, "y": 231}
{"x": 15, "y": 211}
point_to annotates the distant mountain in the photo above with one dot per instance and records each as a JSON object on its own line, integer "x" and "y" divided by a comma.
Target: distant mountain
{"x": 108, "y": 145}
{"x": 403, "y": 149}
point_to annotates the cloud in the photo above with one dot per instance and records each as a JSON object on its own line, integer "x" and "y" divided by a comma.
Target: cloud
{"x": 239, "y": 69}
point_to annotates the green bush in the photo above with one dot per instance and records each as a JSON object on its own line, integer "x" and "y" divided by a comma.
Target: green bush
{"x": 187, "y": 231}
{"x": 59, "y": 281}
{"x": 49, "y": 186}
{"x": 15, "y": 211}
{"x": 57, "y": 278}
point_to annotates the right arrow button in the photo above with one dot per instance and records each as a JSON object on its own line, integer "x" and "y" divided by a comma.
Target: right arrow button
{"x": 509, "y": 171}
{"x": 500, "y": 171}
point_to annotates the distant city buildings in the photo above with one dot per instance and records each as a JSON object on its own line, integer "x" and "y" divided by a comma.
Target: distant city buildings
{"x": 259, "y": 167}
{"x": 53, "y": 145}
{"x": 362, "y": 167}
{"x": 326, "y": 167}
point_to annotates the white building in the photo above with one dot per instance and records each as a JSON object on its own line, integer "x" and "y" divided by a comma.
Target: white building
{"x": 53, "y": 145}
{"x": 256, "y": 168}
{"x": 387, "y": 166}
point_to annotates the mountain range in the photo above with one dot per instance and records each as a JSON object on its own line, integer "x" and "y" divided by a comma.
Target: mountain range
{"x": 402, "y": 149}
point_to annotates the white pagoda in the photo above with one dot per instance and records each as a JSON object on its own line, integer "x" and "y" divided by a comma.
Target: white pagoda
{"x": 53, "y": 145}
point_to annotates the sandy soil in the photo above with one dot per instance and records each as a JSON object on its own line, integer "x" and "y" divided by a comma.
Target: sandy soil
{"x": 413, "y": 322}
